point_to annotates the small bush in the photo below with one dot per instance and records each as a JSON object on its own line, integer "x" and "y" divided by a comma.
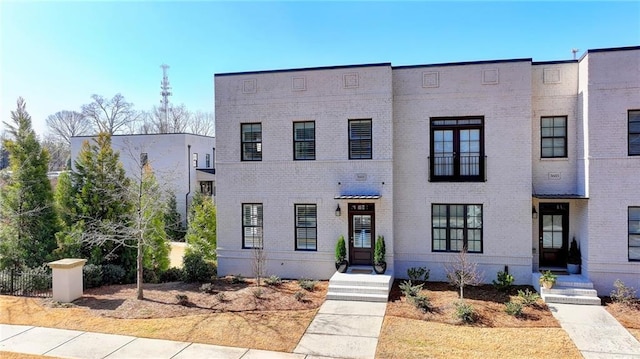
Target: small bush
{"x": 221, "y": 297}
{"x": 37, "y": 279}
{"x": 307, "y": 284}
{"x": 113, "y": 274}
{"x": 299, "y": 295}
{"x": 238, "y": 279}
{"x": 528, "y": 297}
{"x": 197, "y": 269}
{"x": 513, "y": 308}
{"x": 465, "y": 312}
{"x": 409, "y": 290}
{"x": 274, "y": 280}
{"x": 150, "y": 275}
{"x": 623, "y": 294}
{"x": 257, "y": 293}
{"x": 172, "y": 274}
{"x": 92, "y": 276}
{"x": 182, "y": 299}
{"x": 208, "y": 288}
{"x": 503, "y": 282}
{"x": 418, "y": 273}
{"x": 421, "y": 302}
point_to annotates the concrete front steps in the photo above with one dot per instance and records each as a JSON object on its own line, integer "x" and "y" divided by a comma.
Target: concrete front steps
{"x": 569, "y": 289}
{"x": 356, "y": 285}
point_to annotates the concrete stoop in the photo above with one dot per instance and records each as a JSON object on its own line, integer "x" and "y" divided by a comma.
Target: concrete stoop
{"x": 569, "y": 289}
{"x": 357, "y": 286}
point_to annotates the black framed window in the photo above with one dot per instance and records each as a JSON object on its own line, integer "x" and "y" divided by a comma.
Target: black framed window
{"x": 252, "y": 225}
{"x": 360, "y": 140}
{"x": 304, "y": 140}
{"x": 207, "y": 160}
{"x": 634, "y": 132}
{"x": 144, "y": 159}
{"x": 457, "y": 149}
{"x": 553, "y": 137}
{"x": 456, "y": 226}
{"x": 251, "y": 141}
{"x": 306, "y": 227}
{"x": 634, "y": 233}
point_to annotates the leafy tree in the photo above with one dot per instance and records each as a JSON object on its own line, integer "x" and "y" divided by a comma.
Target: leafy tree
{"x": 173, "y": 221}
{"x": 201, "y": 230}
{"x": 27, "y": 214}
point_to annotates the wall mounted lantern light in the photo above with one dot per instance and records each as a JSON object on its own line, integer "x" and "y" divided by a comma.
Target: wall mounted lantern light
{"x": 338, "y": 211}
{"x": 534, "y": 213}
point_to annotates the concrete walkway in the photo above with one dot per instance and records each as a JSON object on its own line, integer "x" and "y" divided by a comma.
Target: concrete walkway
{"x": 344, "y": 329}
{"x": 595, "y": 332}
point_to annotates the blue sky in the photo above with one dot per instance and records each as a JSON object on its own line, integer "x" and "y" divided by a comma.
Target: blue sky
{"x": 57, "y": 54}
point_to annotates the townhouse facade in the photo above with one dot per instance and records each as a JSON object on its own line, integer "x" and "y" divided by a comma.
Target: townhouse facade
{"x": 508, "y": 159}
{"x": 183, "y": 163}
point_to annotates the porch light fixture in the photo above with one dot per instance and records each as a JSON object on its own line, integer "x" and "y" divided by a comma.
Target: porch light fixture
{"x": 534, "y": 213}
{"x": 338, "y": 211}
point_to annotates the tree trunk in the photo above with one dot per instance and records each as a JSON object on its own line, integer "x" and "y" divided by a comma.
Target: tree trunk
{"x": 139, "y": 270}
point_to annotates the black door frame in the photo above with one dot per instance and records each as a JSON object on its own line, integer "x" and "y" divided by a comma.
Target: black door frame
{"x": 361, "y": 256}
{"x": 554, "y": 257}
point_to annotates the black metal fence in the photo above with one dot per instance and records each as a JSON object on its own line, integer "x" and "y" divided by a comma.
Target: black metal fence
{"x": 35, "y": 282}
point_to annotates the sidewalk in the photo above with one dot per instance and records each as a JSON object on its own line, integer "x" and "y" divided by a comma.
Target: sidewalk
{"x": 595, "y": 332}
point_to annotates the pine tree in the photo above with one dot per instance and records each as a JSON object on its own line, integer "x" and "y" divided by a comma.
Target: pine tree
{"x": 173, "y": 223}
{"x": 27, "y": 214}
{"x": 201, "y": 231}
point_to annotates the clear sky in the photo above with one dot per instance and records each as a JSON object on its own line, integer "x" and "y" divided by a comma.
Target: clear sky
{"x": 57, "y": 54}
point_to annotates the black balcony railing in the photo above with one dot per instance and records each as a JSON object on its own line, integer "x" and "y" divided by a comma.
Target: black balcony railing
{"x": 458, "y": 168}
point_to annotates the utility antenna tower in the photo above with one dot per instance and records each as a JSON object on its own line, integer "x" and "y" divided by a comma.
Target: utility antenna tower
{"x": 575, "y": 51}
{"x": 165, "y": 87}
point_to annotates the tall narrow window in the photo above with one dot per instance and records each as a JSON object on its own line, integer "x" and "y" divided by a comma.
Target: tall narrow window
{"x": 455, "y": 227}
{"x": 251, "y": 141}
{"x": 144, "y": 159}
{"x": 553, "y": 137}
{"x": 207, "y": 160}
{"x": 634, "y": 233}
{"x": 634, "y": 132}
{"x": 195, "y": 160}
{"x": 360, "y": 139}
{"x": 457, "y": 149}
{"x": 304, "y": 140}
{"x": 252, "y": 225}
{"x": 306, "y": 227}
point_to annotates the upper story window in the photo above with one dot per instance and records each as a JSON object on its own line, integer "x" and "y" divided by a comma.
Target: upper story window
{"x": 457, "y": 149}
{"x": 360, "y": 140}
{"x": 456, "y": 227}
{"x": 251, "y": 141}
{"x": 306, "y": 227}
{"x": 634, "y": 233}
{"x": 207, "y": 160}
{"x": 304, "y": 140}
{"x": 634, "y": 132}
{"x": 553, "y": 137}
{"x": 252, "y": 225}
{"x": 144, "y": 159}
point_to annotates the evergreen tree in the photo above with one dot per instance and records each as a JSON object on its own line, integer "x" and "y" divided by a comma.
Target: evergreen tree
{"x": 173, "y": 222}
{"x": 27, "y": 214}
{"x": 201, "y": 231}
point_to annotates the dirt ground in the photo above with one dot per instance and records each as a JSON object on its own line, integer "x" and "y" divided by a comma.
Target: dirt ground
{"x": 627, "y": 315}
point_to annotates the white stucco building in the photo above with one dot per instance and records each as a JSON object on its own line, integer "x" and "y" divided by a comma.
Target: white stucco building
{"x": 510, "y": 159}
{"x": 183, "y": 163}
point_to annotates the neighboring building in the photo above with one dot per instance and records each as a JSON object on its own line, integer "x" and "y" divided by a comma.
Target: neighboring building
{"x": 183, "y": 163}
{"x": 509, "y": 158}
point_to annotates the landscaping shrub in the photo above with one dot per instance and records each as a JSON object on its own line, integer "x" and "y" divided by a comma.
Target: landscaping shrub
{"x": 513, "y": 308}
{"x": 528, "y": 297}
{"x": 418, "y": 273}
{"x": 182, "y": 299}
{"x": 409, "y": 290}
{"x": 37, "y": 279}
{"x": 208, "y": 288}
{"x": 221, "y": 297}
{"x": 197, "y": 269}
{"x": 112, "y": 274}
{"x": 465, "y": 312}
{"x": 503, "y": 282}
{"x": 299, "y": 295}
{"x": 150, "y": 275}
{"x": 623, "y": 294}
{"x": 273, "y": 280}
{"x": 257, "y": 293}
{"x": 92, "y": 276}
{"x": 172, "y": 274}
{"x": 237, "y": 279}
{"x": 422, "y": 302}
{"x": 307, "y": 284}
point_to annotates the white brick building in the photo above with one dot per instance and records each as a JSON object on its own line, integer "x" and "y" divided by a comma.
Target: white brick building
{"x": 183, "y": 163}
{"x": 509, "y": 158}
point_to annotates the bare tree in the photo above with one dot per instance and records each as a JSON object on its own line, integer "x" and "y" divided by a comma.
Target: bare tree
{"x": 461, "y": 271}
{"x": 66, "y": 124}
{"x": 258, "y": 264}
{"x": 202, "y": 123}
{"x": 111, "y": 116}
{"x": 59, "y": 152}
{"x": 176, "y": 120}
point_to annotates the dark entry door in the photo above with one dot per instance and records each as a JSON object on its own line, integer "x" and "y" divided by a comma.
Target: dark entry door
{"x": 361, "y": 233}
{"x": 554, "y": 234}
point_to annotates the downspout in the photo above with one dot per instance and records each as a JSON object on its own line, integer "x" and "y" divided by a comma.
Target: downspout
{"x": 186, "y": 196}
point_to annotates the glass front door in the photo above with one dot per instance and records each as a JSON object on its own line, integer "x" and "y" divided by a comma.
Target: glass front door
{"x": 554, "y": 234}
{"x": 361, "y": 233}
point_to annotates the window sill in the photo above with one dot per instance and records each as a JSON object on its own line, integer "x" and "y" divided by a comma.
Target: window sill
{"x": 554, "y": 159}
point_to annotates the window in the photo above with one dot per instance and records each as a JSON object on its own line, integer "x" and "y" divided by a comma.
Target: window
{"x": 359, "y": 139}
{"x": 553, "y": 137}
{"x": 456, "y": 226}
{"x": 634, "y": 233}
{"x": 251, "y": 141}
{"x": 634, "y": 133}
{"x": 206, "y": 188}
{"x": 457, "y": 149}
{"x": 252, "y": 225}
{"x": 304, "y": 140}
{"x": 207, "y": 160}
{"x": 306, "y": 227}
{"x": 195, "y": 160}
{"x": 144, "y": 159}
